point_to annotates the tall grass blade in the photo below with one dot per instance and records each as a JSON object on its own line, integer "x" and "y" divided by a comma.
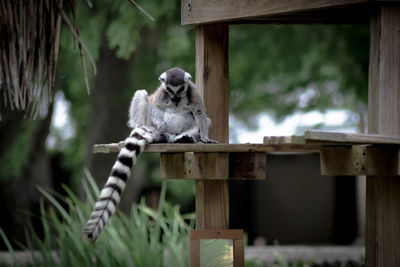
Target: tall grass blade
{"x": 9, "y": 246}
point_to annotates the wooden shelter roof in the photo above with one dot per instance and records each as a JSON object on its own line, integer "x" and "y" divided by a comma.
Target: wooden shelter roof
{"x": 278, "y": 11}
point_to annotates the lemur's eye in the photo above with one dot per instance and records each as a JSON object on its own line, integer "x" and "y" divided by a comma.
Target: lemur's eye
{"x": 180, "y": 90}
{"x": 169, "y": 90}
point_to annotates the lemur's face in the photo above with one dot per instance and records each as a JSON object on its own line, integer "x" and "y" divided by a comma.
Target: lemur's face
{"x": 175, "y": 84}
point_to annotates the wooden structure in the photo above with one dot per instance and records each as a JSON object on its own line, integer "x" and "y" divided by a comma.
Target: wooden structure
{"x": 375, "y": 154}
{"x": 235, "y": 235}
{"x": 383, "y": 190}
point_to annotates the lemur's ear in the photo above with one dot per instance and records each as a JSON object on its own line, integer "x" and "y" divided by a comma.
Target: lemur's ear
{"x": 187, "y": 76}
{"x": 163, "y": 77}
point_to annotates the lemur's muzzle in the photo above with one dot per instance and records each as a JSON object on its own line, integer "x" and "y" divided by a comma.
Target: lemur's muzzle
{"x": 176, "y": 100}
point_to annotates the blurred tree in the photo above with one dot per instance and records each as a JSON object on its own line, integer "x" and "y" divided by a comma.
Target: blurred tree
{"x": 131, "y": 51}
{"x": 280, "y": 69}
{"x": 287, "y": 68}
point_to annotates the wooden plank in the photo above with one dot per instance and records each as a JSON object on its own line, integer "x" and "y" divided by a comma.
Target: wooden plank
{"x": 212, "y": 204}
{"x": 194, "y": 252}
{"x": 213, "y": 166}
{"x": 232, "y": 234}
{"x": 236, "y": 235}
{"x": 238, "y": 253}
{"x": 382, "y": 160}
{"x": 212, "y": 79}
{"x": 248, "y": 165}
{"x": 360, "y": 160}
{"x": 176, "y": 148}
{"x": 343, "y": 160}
{"x": 383, "y": 192}
{"x": 189, "y": 165}
{"x": 350, "y": 138}
{"x": 284, "y": 140}
{"x": 212, "y": 76}
{"x": 211, "y": 11}
{"x": 171, "y": 165}
{"x": 351, "y": 14}
{"x": 208, "y": 166}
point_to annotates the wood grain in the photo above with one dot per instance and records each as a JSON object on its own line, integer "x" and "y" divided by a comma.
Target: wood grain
{"x": 212, "y": 204}
{"x": 212, "y": 79}
{"x": 360, "y": 160}
{"x": 331, "y": 138}
{"x": 350, "y": 138}
{"x": 176, "y": 148}
{"x": 213, "y": 166}
{"x": 211, "y": 11}
{"x": 383, "y": 192}
{"x": 232, "y": 234}
{"x": 172, "y": 165}
{"x": 194, "y": 252}
{"x": 212, "y": 76}
{"x": 238, "y": 253}
{"x": 248, "y": 165}
{"x": 235, "y": 235}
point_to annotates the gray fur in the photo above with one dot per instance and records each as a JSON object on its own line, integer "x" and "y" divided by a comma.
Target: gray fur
{"x": 174, "y": 113}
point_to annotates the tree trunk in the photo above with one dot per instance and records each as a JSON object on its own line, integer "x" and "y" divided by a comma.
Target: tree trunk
{"x": 19, "y": 195}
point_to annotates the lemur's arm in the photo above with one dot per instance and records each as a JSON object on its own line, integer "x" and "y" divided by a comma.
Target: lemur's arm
{"x": 199, "y": 114}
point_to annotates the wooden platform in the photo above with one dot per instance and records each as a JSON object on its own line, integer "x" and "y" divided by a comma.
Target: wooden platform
{"x": 341, "y": 154}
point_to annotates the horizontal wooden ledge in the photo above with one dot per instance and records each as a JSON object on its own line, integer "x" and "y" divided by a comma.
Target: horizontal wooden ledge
{"x": 233, "y": 234}
{"x": 200, "y": 147}
{"x": 332, "y": 138}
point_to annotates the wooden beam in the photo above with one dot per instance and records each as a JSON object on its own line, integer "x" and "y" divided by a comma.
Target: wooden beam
{"x": 213, "y": 166}
{"x": 212, "y": 11}
{"x": 232, "y": 234}
{"x": 212, "y": 204}
{"x": 212, "y": 79}
{"x": 194, "y": 252}
{"x": 207, "y": 148}
{"x": 235, "y": 235}
{"x": 383, "y": 192}
{"x": 332, "y": 138}
{"x": 350, "y": 138}
{"x": 360, "y": 160}
{"x": 199, "y": 166}
{"x": 248, "y": 165}
{"x": 212, "y": 76}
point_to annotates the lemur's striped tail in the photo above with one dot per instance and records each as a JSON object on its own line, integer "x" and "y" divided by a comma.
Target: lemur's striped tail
{"x": 110, "y": 195}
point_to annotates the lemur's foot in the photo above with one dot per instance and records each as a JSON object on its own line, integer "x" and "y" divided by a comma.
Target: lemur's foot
{"x": 208, "y": 141}
{"x": 185, "y": 139}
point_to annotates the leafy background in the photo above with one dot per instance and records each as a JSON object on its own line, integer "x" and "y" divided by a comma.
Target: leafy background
{"x": 271, "y": 68}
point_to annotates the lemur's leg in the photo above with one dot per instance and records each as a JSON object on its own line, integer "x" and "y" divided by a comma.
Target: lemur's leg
{"x": 139, "y": 111}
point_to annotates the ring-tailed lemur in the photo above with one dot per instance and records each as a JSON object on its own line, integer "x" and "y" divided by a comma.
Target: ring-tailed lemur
{"x": 175, "y": 113}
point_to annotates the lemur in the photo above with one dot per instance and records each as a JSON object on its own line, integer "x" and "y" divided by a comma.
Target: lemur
{"x": 175, "y": 113}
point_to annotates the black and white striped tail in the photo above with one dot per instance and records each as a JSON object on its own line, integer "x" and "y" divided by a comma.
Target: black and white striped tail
{"x": 110, "y": 195}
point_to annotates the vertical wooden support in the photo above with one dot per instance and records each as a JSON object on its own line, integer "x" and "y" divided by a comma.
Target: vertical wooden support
{"x": 212, "y": 78}
{"x": 383, "y": 193}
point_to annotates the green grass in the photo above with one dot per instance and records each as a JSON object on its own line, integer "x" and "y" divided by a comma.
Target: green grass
{"x": 144, "y": 238}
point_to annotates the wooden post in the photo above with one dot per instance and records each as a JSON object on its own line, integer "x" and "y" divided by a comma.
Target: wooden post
{"x": 383, "y": 193}
{"x": 212, "y": 78}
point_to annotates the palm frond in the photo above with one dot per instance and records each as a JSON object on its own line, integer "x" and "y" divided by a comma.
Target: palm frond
{"x": 29, "y": 46}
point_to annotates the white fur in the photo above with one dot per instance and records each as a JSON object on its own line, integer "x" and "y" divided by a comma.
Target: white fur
{"x": 114, "y": 180}
{"x": 105, "y": 192}
{"x": 122, "y": 168}
{"x": 187, "y": 77}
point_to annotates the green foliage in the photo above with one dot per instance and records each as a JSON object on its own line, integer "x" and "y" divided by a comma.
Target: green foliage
{"x": 17, "y": 155}
{"x": 287, "y": 68}
{"x": 145, "y": 238}
{"x": 152, "y": 47}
